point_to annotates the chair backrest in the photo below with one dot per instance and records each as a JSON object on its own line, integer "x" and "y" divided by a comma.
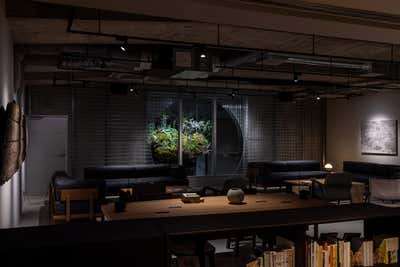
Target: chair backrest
{"x": 234, "y": 183}
{"x": 338, "y": 180}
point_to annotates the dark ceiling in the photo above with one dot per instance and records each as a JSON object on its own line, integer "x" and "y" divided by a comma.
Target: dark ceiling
{"x": 236, "y": 57}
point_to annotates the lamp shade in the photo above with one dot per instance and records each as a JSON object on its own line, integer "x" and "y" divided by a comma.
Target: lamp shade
{"x": 328, "y": 166}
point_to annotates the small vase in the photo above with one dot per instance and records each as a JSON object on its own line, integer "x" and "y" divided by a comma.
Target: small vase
{"x": 235, "y": 196}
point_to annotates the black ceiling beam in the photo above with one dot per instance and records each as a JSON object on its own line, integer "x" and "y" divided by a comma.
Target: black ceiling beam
{"x": 218, "y": 44}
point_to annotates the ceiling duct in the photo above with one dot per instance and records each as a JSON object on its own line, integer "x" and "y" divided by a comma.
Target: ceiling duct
{"x": 192, "y": 63}
{"x": 94, "y": 63}
{"x": 281, "y": 58}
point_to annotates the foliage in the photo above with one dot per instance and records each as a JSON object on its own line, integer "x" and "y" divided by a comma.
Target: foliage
{"x": 196, "y": 139}
{"x": 191, "y": 126}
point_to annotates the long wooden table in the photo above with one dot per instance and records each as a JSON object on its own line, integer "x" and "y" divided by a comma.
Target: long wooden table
{"x": 212, "y": 205}
{"x": 270, "y": 214}
{"x": 137, "y": 240}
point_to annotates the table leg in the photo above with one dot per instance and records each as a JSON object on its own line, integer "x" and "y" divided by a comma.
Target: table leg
{"x": 300, "y": 250}
{"x": 200, "y": 244}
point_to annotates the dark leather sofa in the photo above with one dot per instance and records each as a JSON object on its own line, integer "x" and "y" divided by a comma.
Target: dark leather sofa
{"x": 273, "y": 173}
{"x": 363, "y": 171}
{"x": 115, "y": 177}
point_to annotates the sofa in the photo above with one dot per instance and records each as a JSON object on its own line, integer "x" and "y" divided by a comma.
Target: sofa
{"x": 364, "y": 171}
{"x": 273, "y": 173}
{"x": 113, "y": 178}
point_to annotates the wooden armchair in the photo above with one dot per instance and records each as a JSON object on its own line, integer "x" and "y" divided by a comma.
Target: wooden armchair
{"x": 73, "y": 204}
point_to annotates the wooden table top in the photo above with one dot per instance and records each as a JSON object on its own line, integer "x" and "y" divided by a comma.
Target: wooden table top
{"x": 212, "y": 205}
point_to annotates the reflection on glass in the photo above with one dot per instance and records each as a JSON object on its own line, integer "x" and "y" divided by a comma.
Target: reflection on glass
{"x": 229, "y": 140}
{"x": 197, "y": 136}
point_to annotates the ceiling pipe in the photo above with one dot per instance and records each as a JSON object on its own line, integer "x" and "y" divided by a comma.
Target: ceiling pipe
{"x": 218, "y": 44}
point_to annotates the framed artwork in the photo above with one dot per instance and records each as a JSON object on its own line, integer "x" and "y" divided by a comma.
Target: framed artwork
{"x": 379, "y": 137}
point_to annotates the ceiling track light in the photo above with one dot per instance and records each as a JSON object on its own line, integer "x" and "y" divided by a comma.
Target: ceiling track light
{"x": 234, "y": 93}
{"x": 295, "y": 77}
{"x": 124, "y": 45}
{"x": 134, "y": 91}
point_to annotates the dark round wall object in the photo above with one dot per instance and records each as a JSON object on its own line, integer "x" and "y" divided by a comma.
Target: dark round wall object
{"x": 12, "y": 147}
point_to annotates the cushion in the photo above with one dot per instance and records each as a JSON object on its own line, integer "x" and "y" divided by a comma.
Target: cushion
{"x": 293, "y": 165}
{"x": 77, "y": 207}
{"x": 359, "y": 177}
{"x": 117, "y": 183}
{"x": 365, "y": 170}
{"x": 71, "y": 183}
{"x": 167, "y": 180}
{"x": 303, "y": 165}
{"x": 151, "y": 170}
{"x": 275, "y": 166}
{"x": 108, "y": 172}
{"x": 134, "y": 171}
{"x": 359, "y": 167}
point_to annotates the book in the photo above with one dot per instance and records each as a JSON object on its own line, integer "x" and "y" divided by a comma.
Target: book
{"x": 385, "y": 250}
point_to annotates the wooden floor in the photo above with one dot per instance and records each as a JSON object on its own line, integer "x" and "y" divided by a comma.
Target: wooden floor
{"x": 211, "y": 205}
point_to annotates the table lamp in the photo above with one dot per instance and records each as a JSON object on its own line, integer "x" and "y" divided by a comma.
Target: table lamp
{"x": 328, "y": 167}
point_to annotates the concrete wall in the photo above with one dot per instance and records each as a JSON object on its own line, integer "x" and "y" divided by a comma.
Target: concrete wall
{"x": 10, "y": 204}
{"x": 344, "y": 119}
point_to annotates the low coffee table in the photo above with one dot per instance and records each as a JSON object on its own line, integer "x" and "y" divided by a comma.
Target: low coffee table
{"x": 296, "y": 185}
{"x": 357, "y": 189}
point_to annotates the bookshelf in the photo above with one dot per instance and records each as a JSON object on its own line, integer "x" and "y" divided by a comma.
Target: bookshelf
{"x": 292, "y": 224}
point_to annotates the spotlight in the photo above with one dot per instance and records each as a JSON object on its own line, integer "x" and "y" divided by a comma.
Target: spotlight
{"x": 234, "y": 93}
{"x": 318, "y": 97}
{"x": 203, "y": 55}
{"x": 134, "y": 91}
{"x": 295, "y": 77}
{"x": 124, "y": 46}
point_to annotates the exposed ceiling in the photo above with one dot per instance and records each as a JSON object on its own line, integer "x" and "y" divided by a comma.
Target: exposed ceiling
{"x": 167, "y": 52}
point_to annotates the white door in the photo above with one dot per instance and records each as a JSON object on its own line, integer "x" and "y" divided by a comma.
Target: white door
{"x": 47, "y": 151}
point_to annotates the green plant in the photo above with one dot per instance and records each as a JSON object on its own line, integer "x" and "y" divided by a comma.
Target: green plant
{"x": 164, "y": 139}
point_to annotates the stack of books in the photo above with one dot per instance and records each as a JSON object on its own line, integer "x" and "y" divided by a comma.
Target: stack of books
{"x": 350, "y": 252}
{"x": 364, "y": 255}
{"x": 274, "y": 258}
{"x": 282, "y": 255}
{"x": 386, "y": 250}
{"x": 332, "y": 254}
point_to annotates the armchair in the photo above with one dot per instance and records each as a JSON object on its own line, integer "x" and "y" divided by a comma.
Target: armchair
{"x": 337, "y": 187}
